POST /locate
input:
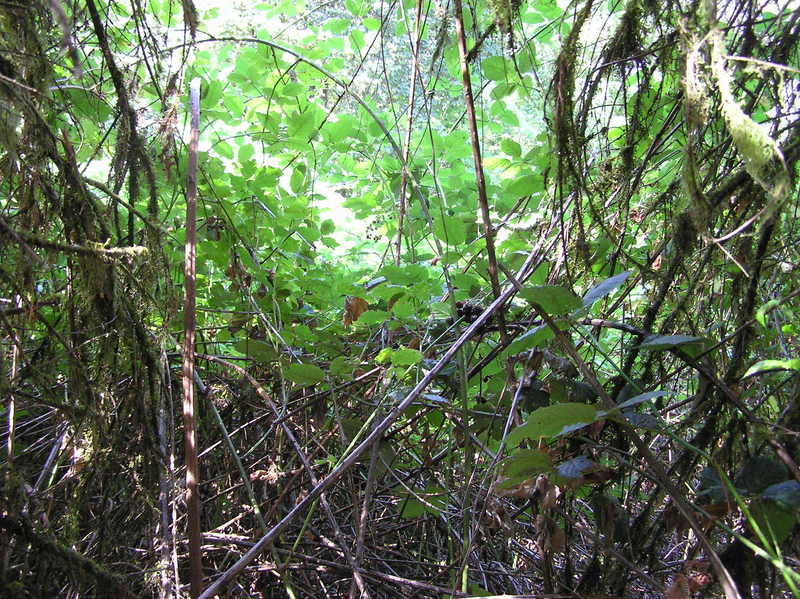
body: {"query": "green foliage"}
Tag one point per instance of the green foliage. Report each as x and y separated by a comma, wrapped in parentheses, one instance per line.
(554, 420)
(634, 155)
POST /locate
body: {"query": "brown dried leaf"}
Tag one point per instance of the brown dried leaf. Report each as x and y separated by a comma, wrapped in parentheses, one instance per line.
(679, 588)
(354, 307)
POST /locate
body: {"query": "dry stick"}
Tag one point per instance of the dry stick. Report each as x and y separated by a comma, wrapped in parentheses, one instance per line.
(166, 477)
(371, 438)
(306, 464)
(363, 520)
(248, 487)
(189, 420)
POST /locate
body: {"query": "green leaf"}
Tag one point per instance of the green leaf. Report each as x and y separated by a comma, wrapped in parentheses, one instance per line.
(431, 501)
(371, 24)
(403, 308)
(535, 337)
(406, 357)
(761, 313)
(372, 317)
(787, 494)
(553, 420)
(768, 365)
(340, 366)
(494, 68)
(510, 147)
(659, 342)
(405, 275)
(528, 463)
(257, 350)
(450, 229)
(640, 399)
(412, 507)
(298, 179)
(525, 185)
(554, 300)
(601, 290)
(246, 152)
(304, 374)
(775, 521)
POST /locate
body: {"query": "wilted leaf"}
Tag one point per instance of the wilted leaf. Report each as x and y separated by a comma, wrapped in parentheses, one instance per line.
(679, 589)
(354, 307)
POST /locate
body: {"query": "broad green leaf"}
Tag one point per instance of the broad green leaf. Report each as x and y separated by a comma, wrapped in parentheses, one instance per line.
(371, 317)
(371, 24)
(406, 357)
(337, 26)
(450, 229)
(537, 336)
(257, 350)
(494, 68)
(304, 374)
(411, 507)
(787, 494)
(403, 308)
(761, 313)
(246, 152)
(298, 179)
(224, 149)
(293, 89)
(553, 420)
(431, 501)
(554, 300)
(659, 342)
(525, 185)
(768, 365)
(510, 147)
(340, 366)
(775, 521)
(405, 275)
(601, 290)
(528, 463)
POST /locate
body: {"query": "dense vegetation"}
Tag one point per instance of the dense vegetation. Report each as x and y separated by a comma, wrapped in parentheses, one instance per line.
(493, 298)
